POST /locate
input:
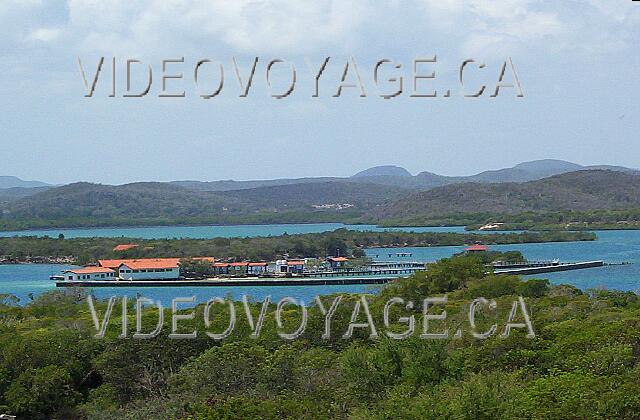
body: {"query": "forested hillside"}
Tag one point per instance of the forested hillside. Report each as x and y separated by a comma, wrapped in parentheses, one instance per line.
(85, 204)
(582, 190)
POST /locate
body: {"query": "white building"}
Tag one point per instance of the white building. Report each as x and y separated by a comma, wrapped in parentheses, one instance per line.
(290, 266)
(90, 274)
(150, 269)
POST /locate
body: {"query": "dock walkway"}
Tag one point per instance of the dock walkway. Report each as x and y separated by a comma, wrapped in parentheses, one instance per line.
(539, 269)
(315, 279)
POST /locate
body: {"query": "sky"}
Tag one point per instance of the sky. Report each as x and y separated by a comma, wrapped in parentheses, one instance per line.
(577, 64)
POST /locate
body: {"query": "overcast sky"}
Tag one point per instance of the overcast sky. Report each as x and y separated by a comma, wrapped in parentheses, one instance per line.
(578, 63)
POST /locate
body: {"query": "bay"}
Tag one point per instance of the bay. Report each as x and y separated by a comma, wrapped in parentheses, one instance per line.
(611, 246)
(215, 231)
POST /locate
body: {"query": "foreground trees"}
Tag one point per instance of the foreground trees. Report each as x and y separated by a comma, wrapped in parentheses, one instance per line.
(583, 362)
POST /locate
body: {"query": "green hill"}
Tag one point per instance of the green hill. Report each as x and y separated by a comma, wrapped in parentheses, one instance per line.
(582, 190)
(85, 204)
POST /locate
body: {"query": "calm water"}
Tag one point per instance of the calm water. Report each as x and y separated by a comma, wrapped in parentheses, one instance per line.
(206, 232)
(612, 246)
(23, 280)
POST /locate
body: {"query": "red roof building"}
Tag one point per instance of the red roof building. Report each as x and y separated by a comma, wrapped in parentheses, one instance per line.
(90, 270)
(150, 264)
(477, 248)
(337, 262)
(113, 264)
(90, 273)
(150, 269)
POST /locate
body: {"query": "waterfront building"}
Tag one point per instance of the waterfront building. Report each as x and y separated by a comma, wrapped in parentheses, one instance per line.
(296, 266)
(256, 268)
(238, 268)
(337, 262)
(290, 266)
(221, 268)
(89, 274)
(150, 269)
(476, 248)
(114, 264)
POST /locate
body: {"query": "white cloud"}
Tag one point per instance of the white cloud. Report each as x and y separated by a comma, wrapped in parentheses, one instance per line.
(45, 34)
(249, 25)
(494, 27)
(476, 27)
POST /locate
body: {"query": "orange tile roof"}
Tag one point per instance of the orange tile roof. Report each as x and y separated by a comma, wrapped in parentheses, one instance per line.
(117, 263)
(90, 270)
(111, 263)
(239, 264)
(124, 247)
(295, 262)
(338, 259)
(152, 263)
(258, 264)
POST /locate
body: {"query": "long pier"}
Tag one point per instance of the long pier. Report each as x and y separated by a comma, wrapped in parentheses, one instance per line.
(540, 269)
(226, 282)
(358, 273)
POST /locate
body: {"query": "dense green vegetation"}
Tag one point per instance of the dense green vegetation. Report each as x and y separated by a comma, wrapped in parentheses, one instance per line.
(567, 220)
(455, 219)
(153, 203)
(574, 191)
(583, 362)
(573, 194)
(532, 220)
(340, 241)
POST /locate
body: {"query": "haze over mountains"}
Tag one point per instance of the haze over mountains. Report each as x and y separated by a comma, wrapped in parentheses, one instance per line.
(384, 175)
(401, 178)
(15, 182)
(376, 194)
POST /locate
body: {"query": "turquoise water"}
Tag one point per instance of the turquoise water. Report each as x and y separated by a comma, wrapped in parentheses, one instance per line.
(206, 232)
(611, 246)
(24, 279)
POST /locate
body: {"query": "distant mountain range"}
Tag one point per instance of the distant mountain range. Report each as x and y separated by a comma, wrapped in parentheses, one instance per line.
(376, 194)
(399, 177)
(15, 182)
(389, 175)
(387, 170)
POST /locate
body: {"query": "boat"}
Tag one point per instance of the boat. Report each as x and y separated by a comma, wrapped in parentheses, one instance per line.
(56, 277)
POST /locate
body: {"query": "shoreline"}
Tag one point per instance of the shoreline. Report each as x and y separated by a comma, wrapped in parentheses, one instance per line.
(45, 262)
(42, 229)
